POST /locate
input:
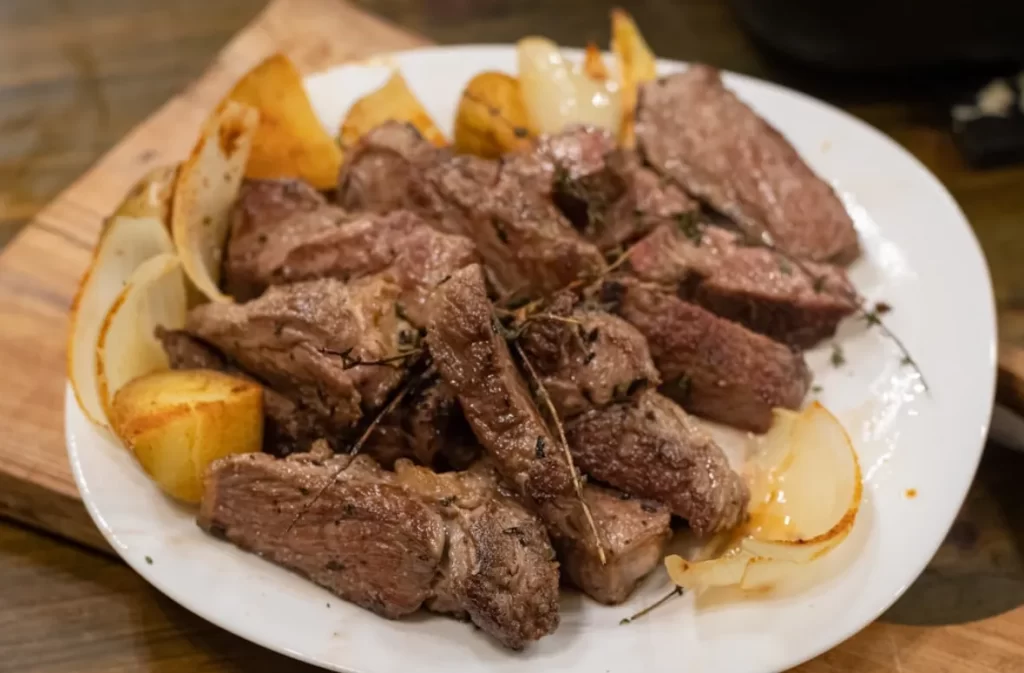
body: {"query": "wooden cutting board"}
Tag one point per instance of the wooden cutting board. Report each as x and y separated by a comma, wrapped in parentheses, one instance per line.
(39, 272)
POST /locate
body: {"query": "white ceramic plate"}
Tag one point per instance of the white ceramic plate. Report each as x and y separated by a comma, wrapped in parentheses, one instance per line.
(920, 256)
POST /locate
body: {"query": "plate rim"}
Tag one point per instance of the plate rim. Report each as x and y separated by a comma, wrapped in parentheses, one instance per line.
(242, 630)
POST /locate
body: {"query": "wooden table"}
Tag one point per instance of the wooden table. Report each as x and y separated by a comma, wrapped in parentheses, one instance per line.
(76, 75)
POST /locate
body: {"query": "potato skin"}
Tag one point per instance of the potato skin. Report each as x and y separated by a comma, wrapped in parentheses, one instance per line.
(491, 119)
(177, 422)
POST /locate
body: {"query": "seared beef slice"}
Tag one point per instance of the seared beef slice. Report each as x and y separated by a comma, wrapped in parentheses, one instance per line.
(392, 543)
(527, 244)
(693, 130)
(283, 210)
(605, 191)
(385, 171)
(650, 448)
(586, 358)
(711, 366)
(306, 341)
(312, 244)
(634, 532)
(368, 541)
(499, 566)
(749, 285)
(475, 362)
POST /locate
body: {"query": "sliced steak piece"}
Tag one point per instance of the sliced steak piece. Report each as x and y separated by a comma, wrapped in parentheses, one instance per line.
(282, 210)
(586, 358)
(713, 367)
(749, 285)
(695, 131)
(475, 361)
(385, 171)
(649, 201)
(307, 341)
(316, 244)
(287, 427)
(651, 449)
(428, 427)
(393, 542)
(499, 567)
(368, 541)
(527, 244)
(605, 191)
(633, 531)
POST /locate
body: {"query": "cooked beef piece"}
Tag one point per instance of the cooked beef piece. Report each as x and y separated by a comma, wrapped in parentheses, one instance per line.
(649, 201)
(287, 427)
(586, 358)
(307, 341)
(527, 244)
(428, 427)
(650, 448)
(371, 542)
(385, 170)
(314, 244)
(633, 531)
(475, 361)
(695, 131)
(392, 542)
(713, 367)
(605, 191)
(499, 567)
(184, 351)
(285, 210)
(750, 285)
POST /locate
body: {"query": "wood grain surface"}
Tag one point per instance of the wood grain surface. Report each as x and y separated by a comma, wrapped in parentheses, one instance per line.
(75, 75)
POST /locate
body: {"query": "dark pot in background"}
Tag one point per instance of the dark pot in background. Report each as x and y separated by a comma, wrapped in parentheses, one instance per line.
(894, 34)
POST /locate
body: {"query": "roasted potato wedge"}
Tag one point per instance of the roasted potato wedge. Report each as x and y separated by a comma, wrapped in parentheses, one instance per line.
(593, 63)
(176, 422)
(207, 187)
(127, 347)
(290, 141)
(491, 118)
(392, 102)
(125, 244)
(637, 64)
(151, 196)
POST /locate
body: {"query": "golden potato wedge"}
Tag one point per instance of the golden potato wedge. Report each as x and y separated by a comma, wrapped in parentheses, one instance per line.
(207, 186)
(637, 64)
(125, 244)
(177, 422)
(151, 196)
(593, 63)
(290, 141)
(491, 118)
(392, 102)
(127, 347)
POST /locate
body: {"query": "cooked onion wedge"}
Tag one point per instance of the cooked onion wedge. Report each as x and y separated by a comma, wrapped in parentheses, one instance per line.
(290, 141)
(558, 94)
(636, 65)
(805, 487)
(151, 196)
(127, 347)
(394, 101)
(124, 245)
(207, 186)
